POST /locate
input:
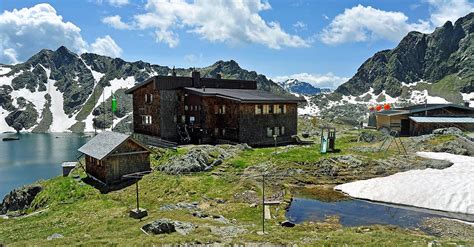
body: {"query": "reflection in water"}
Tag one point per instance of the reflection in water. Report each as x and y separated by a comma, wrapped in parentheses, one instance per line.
(34, 157)
(358, 212)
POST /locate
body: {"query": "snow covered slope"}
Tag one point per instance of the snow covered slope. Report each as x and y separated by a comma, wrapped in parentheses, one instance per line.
(450, 189)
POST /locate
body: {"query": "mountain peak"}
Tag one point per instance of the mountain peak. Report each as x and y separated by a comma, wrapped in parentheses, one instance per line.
(296, 86)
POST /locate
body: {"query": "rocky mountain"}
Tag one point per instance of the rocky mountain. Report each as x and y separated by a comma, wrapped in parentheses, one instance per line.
(59, 90)
(432, 68)
(443, 60)
(295, 86)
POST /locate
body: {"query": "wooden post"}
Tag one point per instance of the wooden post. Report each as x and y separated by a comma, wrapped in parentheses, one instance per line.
(138, 205)
(263, 203)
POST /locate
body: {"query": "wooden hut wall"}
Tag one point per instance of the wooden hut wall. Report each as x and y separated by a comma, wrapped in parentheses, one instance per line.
(96, 168)
(125, 160)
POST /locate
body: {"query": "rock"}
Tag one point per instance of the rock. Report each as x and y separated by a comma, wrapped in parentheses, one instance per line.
(180, 205)
(367, 136)
(55, 236)
(437, 164)
(220, 200)
(228, 231)
(183, 228)
(447, 131)
(160, 226)
(201, 158)
(20, 199)
(248, 196)
(452, 147)
(287, 223)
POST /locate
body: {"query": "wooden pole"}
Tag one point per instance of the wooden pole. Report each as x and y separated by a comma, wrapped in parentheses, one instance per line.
(138, 205)
(263, 203)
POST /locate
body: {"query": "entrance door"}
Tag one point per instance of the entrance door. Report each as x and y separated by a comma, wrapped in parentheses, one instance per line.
(405, 127)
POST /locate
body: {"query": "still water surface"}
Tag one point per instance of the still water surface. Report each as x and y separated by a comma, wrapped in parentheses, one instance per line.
(35, 157)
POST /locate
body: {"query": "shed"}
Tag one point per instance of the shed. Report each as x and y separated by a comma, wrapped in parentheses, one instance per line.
(425, 125)
(110, 155)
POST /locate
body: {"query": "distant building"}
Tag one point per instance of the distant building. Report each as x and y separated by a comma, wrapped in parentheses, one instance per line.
(110, 155)
(212, 110)
(424, 118)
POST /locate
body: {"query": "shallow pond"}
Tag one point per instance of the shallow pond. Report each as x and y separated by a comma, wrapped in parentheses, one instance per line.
(353, 212)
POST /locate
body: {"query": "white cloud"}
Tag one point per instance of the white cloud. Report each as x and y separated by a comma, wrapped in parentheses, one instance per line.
(26, 31)
(226, 21)
(116, 22)
(362, 23)
(193, 58)
(118, 3)
(448, 10)
(106, 46)
(299, 26)
(328, 80)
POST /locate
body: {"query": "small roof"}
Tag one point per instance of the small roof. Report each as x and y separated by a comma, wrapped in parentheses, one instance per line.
(459, 120)
(244, 95)
(104, 143)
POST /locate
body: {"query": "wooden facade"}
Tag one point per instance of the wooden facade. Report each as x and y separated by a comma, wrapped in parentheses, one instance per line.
(213, 117)
(109, 158)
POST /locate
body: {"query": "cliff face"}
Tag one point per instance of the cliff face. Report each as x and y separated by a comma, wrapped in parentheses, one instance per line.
(441, 55)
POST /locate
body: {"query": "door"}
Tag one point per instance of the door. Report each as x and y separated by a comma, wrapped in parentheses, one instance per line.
(405, 127)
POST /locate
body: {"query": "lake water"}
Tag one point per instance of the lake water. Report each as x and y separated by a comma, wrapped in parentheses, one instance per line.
(35, 157)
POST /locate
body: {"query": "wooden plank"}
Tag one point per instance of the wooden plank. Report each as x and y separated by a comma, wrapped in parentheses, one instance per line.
(130, 153)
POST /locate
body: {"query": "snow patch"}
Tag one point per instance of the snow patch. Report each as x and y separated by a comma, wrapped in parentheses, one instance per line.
(4, 70)
(468, 97)
(450, 189)
(61, 121)
(3, 124)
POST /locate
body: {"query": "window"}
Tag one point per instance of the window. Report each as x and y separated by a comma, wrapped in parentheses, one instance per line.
(281, 109)
(216, 131)
(270, 109)
(282, 130)
(192, 119)
(265, 109)
(223, 132)
(222, 109)
(186, 107)
(269, 132)
(258, 109)
(183, 119)
(148, 98)
(284, 109)
(146, 119)
(276, 131)
(216, 109)
(276, 109)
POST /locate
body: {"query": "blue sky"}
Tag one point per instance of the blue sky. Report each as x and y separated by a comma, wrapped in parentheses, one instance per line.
(321, 41)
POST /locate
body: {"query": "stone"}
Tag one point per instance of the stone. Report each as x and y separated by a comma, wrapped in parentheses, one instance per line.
(452, 147)
(448, 131)
(160, 226)
(20, 199)
(55, 236)
(287, 223)
(437, 164)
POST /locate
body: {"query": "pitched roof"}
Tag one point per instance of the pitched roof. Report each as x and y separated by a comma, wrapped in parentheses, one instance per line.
(104, 143)
(244, 95)
(460, 120)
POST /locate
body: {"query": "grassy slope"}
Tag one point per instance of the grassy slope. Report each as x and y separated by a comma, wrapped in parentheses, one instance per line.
(84, 216)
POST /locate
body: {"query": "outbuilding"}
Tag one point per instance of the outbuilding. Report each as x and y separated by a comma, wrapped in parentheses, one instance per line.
(110, 155)
(424, 118)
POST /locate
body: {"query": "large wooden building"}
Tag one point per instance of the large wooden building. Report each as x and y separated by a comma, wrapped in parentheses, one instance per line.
(212, 110)
(424, 118)
(110, 155)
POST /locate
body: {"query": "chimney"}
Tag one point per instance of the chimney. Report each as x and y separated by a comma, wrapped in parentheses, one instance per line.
(218, 76)
(196, 78)
(173, 72)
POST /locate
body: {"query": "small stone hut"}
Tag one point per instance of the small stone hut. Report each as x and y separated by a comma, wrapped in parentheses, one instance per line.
(110, 155)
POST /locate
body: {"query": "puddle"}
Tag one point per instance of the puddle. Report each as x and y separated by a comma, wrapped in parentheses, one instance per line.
(354, 212)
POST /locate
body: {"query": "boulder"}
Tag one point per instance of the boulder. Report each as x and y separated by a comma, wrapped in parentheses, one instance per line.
(160, 226)
(55, 236)
(20, 199)
(438, 164)
(447, 131)
(287, 223)
(163, 226)
(452, 147)
(367, 136)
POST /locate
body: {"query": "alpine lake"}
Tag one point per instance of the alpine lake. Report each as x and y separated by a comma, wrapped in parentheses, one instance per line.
(35, 157)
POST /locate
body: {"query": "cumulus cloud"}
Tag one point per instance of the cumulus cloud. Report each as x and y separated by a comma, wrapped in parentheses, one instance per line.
(106, 46)
(448, 10)
(217, 21)
(361, 23)
(116, 22)
(118, 3)
(299, 26)
(26, 31)
(328, 80)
